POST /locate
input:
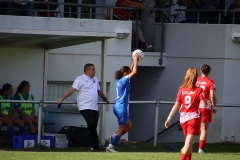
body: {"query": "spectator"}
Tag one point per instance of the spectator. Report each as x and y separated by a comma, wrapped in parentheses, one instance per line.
(21, 8)
(7, 113)
(26, 111)
(88, 90)
(209, 17)
(126, 14)
(192, 16)
(229, 15)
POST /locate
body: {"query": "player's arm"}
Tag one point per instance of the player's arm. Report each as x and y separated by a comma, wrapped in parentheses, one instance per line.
(213, 100)
(21, 112)
(101, 94)
(172, 112)
(66, 95)
(1, 114)
(33, 111)
(132, 4)
(134, 64)
(203, 103)
(131, 67)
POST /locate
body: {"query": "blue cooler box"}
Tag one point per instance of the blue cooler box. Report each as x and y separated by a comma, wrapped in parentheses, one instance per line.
(30, 141)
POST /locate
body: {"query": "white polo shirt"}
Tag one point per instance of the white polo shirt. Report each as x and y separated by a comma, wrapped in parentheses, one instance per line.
(87, 95)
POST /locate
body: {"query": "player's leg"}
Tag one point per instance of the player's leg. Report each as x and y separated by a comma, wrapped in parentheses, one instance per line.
(29, 123)
(206, 116)
(21, 125)
(129, 126)
(123, 120)
(191, 128)
(203, 137)
(9, 123)
(35, 120)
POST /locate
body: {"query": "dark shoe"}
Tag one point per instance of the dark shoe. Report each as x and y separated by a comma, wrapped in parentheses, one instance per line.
(91, 149)
(146, 46)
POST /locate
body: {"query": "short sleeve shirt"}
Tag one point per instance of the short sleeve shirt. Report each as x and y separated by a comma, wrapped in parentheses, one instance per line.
(123, 88)
(87, 92)
(207, 85)
(190, 103)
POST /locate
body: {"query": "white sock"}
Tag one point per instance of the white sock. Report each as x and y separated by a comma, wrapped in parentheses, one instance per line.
(114, 134)
(110, 146)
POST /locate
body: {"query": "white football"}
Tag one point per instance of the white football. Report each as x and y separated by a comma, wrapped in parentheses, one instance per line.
(140, 54)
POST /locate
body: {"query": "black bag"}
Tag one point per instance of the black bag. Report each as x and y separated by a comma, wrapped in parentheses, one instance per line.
(77, 136)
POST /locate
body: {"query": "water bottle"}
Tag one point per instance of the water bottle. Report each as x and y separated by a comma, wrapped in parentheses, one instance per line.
(46, 116)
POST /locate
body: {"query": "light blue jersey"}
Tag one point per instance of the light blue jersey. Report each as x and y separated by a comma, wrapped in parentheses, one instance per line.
(123, 90)
(120, 106)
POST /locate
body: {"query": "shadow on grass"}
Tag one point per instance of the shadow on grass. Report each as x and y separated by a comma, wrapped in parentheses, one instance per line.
(137, 147)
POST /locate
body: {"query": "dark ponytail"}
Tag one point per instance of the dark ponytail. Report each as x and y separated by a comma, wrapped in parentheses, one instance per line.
(22, 84)
(119, 73)
(5, 87)
(205, 69)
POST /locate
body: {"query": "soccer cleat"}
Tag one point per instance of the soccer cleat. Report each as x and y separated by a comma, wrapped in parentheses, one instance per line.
(110, 149)
(200, 151)
(110, 139)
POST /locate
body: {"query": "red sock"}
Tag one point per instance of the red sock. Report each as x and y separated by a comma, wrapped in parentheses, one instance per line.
(189, 157)
(183, 157)
(201, 144)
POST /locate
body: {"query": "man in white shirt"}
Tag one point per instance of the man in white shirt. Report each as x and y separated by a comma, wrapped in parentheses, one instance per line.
(88, 90)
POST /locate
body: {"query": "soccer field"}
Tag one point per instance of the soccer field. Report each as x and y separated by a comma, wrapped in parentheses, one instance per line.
(136, 151)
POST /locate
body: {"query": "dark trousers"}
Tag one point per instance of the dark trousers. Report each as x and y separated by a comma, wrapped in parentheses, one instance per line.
(22, 10)
(91, 118)
(210, 17)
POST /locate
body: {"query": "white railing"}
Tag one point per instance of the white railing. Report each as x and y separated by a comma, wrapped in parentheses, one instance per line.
(42, 104)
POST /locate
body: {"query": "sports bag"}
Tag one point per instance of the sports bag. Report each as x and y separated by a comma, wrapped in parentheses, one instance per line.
(77, 136)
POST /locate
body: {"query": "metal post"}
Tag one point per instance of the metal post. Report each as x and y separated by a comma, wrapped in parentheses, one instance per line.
(156, 124)
(79, 10)
(233, 20)
(219, 17)
(39, 122)
(102, 131)
(45, 74)
(48, 10)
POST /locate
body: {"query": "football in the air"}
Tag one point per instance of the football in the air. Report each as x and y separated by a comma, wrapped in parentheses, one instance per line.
(140, 54)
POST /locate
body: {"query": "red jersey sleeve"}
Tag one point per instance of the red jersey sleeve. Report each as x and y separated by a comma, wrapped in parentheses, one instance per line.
(212, 86)
(179, 96)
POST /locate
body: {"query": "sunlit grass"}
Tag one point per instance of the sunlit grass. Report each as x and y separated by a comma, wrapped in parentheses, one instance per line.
(134, 151)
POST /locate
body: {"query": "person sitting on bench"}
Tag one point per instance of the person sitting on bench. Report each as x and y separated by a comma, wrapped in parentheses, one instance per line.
(6, 111)
(26, 111)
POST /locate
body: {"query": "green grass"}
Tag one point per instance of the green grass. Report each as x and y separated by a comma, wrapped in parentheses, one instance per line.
(135, 151)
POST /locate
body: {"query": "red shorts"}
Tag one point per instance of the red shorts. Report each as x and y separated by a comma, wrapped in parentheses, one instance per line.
(206, 115)
(191, 127)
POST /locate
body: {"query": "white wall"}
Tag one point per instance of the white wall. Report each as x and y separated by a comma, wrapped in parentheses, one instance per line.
(23, 64)
(188, 45)
(66, 64)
